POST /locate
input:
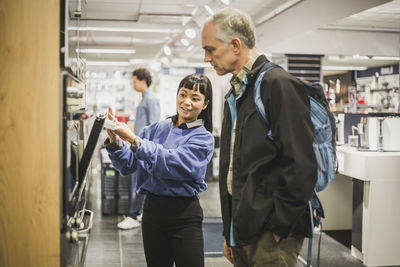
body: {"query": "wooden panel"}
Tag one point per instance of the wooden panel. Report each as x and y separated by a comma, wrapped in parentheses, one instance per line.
(29, 133)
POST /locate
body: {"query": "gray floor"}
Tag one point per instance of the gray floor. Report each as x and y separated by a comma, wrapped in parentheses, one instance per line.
(110, 247)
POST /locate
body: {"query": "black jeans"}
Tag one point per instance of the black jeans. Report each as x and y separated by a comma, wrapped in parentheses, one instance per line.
(172, 231)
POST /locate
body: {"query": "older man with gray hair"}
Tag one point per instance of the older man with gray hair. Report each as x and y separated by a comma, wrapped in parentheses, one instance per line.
(265, 185)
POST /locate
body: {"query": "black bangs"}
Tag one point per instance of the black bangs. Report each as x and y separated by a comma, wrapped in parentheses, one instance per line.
(193, 85)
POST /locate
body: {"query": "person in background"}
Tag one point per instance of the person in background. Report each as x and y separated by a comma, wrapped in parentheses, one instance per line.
(264, 185)
(170, 158)
(147, 112)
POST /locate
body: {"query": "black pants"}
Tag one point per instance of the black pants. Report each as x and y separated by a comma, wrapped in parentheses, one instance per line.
(172, 231)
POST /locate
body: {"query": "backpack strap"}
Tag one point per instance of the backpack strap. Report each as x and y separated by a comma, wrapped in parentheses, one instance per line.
(314, 204)
(312, 235)
(257, 93)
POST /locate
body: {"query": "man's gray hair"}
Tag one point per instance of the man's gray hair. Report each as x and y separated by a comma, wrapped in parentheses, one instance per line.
(232, 23)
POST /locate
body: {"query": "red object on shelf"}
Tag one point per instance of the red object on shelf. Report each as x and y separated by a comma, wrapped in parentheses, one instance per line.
(122, 117)
(361, 101)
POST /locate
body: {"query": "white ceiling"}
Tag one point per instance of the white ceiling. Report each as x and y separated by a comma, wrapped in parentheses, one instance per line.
(326, 27)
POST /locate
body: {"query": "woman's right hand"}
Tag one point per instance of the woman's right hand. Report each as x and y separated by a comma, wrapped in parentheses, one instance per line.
(111, 135)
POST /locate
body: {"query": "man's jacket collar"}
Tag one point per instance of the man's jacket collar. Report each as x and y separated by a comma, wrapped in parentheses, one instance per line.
(252, 75)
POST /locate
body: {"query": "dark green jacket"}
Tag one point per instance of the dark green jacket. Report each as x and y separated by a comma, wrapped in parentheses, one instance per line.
(272, 180)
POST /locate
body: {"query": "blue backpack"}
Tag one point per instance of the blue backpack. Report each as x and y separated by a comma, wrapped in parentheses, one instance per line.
(324, 144)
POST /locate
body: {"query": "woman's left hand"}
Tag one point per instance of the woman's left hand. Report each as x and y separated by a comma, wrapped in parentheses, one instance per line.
(121, 129)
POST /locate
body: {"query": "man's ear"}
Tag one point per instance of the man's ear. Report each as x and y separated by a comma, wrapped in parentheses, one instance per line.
(236, 45)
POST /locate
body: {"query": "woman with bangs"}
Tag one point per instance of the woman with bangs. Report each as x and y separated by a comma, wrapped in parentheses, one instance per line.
(170, 158)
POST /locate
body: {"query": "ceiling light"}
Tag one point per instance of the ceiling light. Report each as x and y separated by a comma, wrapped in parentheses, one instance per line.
(117, 75)
(106, 51)
(190, 32)
(333, 57)
(108, 63)
(109, 29)
(357, 56)
(179, 61)
(136, 61)
(385, 58)
(285, 6)
(337, 86)
(155, 66)
(191, 64)
(364, 57)
(347, 58)
(343, 68)
(164, 60)
(80, 38)
(184, 42)
(209, 10)
(226, 2)
(167, 50)
(190, 48)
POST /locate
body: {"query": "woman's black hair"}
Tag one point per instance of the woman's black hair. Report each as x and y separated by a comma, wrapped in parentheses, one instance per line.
(202, 83)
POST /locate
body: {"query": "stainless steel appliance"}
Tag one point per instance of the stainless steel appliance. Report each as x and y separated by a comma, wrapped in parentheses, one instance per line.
(80, 133)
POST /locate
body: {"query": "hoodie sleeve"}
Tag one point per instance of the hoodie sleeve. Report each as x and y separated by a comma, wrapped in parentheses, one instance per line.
(123, 159)
(187, 162)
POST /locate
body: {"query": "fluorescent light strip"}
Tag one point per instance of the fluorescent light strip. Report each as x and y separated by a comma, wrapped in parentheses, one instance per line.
(185, 42)
(167, 50)
(113, 63)
(190, 48)
(358, 57)
(104, 29)
(209, 10)
(137, 61)
(106, 51)
(189, 65)
(360, 28)
(385, 58)
(334, 58)
(198, 65)
(277, 11)
(108, 63)
(343, 68)
(191, 33)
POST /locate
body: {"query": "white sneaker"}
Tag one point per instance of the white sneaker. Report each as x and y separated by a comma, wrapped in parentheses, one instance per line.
(139, 218)
(128, 223)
